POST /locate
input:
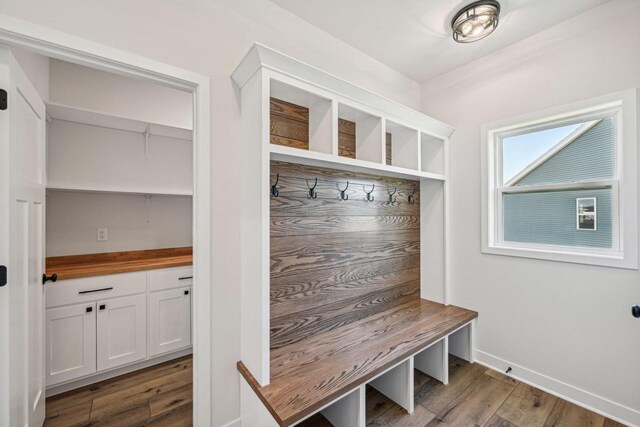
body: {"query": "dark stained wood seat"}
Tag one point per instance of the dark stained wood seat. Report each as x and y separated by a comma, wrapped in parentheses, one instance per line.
(309, 374)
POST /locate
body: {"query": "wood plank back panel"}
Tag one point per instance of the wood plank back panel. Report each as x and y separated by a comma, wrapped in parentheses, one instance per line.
(333, 261)
(289, 124)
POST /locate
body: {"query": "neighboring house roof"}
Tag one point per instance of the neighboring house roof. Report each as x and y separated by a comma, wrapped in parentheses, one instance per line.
(552, 152)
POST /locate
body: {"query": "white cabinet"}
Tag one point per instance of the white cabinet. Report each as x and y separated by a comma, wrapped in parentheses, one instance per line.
(169, 320)
(121, 331)
(71, 342)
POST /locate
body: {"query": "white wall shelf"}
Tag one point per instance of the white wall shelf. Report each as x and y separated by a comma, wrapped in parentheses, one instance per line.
(264, 74)
(105, 190)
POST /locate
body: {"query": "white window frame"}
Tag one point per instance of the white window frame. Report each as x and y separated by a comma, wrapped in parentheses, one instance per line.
(594, 214)
(622, 106)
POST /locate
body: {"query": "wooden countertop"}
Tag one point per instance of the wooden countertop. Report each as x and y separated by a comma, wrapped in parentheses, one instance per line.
(75, 266)
(307, 375)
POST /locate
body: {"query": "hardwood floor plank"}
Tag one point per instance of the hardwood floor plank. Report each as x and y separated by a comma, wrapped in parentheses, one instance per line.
(141, 391)
(376, 403)
(181, 416)
(317, 420)
(127, 415)
(566, 414)
(170, 400)
(527, 406)
(610, 423)
(435, 396)
(103, 388)
(475, 406)
(69, 416)
(502, 377)
(496, 421)
(397, 416)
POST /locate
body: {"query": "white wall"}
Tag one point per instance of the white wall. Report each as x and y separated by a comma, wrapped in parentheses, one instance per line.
(133, 222)
(568, 322)
(210, 37)
(109, 93)
(36, 67)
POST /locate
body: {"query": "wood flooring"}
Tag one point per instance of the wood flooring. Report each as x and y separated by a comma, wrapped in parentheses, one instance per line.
(475, 396)
(157, 396)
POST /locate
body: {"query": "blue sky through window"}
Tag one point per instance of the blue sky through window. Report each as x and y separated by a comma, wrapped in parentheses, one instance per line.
(520, 151)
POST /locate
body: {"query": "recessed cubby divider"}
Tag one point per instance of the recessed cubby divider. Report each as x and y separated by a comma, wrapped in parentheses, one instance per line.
(404, 145)
(368, 133)
(432, 154)
(397, 384)
(349, 410)
(434, 361)
(461, 342)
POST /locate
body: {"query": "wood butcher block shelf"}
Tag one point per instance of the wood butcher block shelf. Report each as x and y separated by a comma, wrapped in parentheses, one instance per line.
(311, 373)
(76, 266)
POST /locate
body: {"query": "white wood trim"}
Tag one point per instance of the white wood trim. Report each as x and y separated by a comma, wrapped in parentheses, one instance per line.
(56, 44)
(624, 254)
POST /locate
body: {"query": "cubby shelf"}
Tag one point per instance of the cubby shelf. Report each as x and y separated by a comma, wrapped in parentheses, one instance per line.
(122, 191)
(311, 158)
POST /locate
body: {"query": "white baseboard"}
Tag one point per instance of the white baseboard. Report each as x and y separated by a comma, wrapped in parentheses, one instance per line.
(588, 400)
(115, 372)
(234, 423)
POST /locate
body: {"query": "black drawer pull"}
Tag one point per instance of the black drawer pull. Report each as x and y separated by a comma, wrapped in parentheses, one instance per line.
(94, 290)
(185, 278)
(102, 306)
(186, 292)
(89, 309)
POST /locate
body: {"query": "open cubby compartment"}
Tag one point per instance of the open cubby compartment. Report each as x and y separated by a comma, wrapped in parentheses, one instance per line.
(300, 118)
(348, 410)
(432, 154)
(397, 384)
(434, 361)
(360, 135)
(461, 342)
(401, 145)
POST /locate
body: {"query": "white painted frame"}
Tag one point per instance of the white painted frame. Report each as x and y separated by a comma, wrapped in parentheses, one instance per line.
(23, 34)
(594, 214)
(624, 253)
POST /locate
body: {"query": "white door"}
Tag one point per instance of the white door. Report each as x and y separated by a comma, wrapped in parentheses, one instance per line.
(122, 331)
(71, 342)
(169, 320)
(22, 198)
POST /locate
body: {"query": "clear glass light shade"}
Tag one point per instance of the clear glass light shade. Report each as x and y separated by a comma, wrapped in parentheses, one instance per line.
(476, 21)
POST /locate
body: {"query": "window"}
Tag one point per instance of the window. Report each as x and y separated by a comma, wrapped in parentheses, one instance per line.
(554, 186)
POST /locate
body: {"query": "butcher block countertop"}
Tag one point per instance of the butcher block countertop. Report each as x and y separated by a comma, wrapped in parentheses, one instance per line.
(76, 266)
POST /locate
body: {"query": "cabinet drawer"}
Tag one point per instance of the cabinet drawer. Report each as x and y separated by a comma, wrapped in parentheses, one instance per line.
(74, 291)
(168, 278)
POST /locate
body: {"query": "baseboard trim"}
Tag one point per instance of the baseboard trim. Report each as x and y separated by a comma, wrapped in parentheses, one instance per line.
(105, 375)
(235, 423)
(588, 400)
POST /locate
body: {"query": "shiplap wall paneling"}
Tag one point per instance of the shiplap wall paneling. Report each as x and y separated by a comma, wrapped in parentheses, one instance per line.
(336, 261)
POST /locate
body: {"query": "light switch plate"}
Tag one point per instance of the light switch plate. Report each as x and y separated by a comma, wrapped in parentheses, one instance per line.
(102, 234)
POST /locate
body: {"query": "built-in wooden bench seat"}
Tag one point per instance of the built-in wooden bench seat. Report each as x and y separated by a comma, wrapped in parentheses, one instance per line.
(308, 375)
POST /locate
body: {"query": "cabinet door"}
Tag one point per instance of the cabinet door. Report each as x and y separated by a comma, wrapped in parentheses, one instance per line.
(71, 342)
(169, 320)
(122, 331)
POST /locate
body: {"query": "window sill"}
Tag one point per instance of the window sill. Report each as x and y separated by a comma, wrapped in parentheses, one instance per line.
(596, 257)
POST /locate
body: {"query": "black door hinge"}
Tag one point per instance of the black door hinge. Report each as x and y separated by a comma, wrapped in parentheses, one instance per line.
(3, 99)
(3, 275)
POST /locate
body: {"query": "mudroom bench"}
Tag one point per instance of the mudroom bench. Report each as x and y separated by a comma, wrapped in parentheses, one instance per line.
(328, 372)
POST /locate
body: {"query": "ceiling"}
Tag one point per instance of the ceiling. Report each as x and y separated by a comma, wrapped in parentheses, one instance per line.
(414, 36)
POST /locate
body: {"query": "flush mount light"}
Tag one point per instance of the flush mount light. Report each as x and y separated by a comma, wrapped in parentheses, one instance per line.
(475, 21)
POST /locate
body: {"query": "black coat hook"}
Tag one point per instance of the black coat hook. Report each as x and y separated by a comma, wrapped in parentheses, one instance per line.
(369, 196)
(343, 196)
(391, 198)
(312, 190)
(274, 187)
(411, 199)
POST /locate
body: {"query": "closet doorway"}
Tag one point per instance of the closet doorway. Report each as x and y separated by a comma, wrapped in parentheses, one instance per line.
(125, 306)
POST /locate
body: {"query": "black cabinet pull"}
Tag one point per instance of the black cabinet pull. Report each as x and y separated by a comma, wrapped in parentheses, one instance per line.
(635, 311)
(46, 278)
(89, 309)
(102, 306)
(186, 292)
(185, 278)
(95, 290)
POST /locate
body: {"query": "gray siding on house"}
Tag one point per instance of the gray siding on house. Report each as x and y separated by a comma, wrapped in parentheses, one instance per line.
(589, 157)
(550, 218)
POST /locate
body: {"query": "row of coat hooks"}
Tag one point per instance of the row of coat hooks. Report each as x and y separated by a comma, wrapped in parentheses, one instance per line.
(313, 194)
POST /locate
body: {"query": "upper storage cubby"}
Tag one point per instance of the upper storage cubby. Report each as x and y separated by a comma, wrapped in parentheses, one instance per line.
(359, 134)
(432, 154)
(401, 146)
(300, 119)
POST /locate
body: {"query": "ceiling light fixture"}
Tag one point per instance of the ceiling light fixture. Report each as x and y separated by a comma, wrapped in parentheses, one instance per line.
(475, 21)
